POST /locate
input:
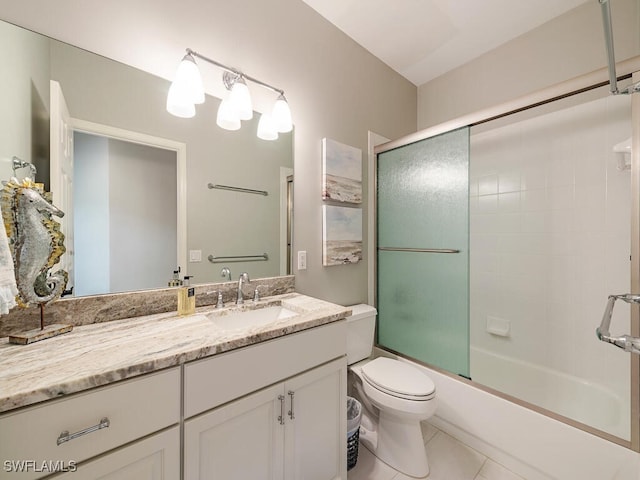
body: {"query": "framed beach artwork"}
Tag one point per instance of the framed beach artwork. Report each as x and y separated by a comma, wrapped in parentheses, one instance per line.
(342, 235)
(341, 172)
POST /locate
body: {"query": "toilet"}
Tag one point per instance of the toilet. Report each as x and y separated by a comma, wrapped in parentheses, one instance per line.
(395, 395)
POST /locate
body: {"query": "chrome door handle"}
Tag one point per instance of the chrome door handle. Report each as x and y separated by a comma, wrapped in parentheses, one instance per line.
(281, 416)
(625, 342)
(66, 436)
(291, 414)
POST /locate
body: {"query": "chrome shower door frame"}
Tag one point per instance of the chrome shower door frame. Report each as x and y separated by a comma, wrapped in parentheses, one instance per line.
(626, 69)
(635, 263)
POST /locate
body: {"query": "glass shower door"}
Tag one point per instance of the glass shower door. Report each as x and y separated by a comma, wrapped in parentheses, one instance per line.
(423, 250)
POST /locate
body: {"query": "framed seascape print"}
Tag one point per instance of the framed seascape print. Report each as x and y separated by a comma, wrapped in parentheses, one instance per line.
(341, 235)
(341, 172)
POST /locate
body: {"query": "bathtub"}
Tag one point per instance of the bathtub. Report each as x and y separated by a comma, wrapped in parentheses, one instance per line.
(566, 395)
(534, 446)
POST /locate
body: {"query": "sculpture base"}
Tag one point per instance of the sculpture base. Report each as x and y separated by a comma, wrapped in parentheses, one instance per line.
(39, 334)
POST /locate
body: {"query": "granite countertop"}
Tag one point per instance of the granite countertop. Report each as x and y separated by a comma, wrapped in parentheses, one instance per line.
(102, 353)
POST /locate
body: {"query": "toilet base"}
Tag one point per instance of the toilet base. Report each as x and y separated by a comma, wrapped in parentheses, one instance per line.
(394, 435)
(397, 443)
(401, 445)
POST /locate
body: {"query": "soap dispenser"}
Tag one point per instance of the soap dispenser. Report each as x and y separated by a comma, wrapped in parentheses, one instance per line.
(175, 281)
(186, 298)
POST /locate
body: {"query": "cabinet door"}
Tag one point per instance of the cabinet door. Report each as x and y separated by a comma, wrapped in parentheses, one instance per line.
(315, 433)
(154, 458)
(238, 441)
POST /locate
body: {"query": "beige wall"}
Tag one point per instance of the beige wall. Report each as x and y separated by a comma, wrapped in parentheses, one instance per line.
(335, 88)
(563, 48)
(24, 96)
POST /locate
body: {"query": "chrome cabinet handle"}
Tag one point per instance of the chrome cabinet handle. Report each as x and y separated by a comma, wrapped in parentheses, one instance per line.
(66, 436)
(625, 342)
(291, 414)
(281, 417)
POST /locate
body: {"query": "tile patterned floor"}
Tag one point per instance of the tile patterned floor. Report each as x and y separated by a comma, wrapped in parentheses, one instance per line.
(449, 459)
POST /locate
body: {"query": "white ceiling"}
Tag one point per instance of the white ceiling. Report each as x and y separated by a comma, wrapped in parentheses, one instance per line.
(422, 39)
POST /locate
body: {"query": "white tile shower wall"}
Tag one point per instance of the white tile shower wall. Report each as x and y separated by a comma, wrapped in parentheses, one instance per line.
(550, 239)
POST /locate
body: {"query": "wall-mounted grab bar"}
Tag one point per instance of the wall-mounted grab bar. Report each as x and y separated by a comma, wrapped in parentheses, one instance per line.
(239, 258)
(419, 250)
(625, 342)
(237, 189)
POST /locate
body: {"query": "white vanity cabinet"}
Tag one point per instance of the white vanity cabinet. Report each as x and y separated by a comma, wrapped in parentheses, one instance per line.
(315, 424)
(153, 458)
(292, 429)
(271, 410)
(63, 433)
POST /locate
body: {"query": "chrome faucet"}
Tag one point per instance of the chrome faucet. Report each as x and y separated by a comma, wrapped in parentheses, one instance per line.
(225, 272)
(244, 278)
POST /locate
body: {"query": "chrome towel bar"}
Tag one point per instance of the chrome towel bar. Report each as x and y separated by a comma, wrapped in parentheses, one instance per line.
(237, 189)
(239, 258)
(419, 250)
(625, 342)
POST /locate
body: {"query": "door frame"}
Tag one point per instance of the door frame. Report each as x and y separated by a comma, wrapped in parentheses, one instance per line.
(179, 148)
(285, 257)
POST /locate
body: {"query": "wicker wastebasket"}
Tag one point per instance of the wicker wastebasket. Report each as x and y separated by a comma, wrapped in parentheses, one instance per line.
(354, 414)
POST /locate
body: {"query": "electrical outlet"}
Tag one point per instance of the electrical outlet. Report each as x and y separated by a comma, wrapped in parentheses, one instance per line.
(302, 260)
(195, 255)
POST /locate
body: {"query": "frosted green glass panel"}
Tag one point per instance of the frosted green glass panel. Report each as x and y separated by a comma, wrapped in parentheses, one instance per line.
(423, 297)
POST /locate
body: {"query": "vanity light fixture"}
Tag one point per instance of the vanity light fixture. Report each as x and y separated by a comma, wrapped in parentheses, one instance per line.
(282, 115)
(227, 117)
(266, 128)
(187, 90)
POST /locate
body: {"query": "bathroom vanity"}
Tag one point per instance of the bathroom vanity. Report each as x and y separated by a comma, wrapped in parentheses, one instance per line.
(168, 397)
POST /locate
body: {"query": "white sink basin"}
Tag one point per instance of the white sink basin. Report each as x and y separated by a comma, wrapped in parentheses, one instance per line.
(251, 318)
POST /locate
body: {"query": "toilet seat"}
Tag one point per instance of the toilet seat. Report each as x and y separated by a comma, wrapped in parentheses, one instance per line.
(398, 379)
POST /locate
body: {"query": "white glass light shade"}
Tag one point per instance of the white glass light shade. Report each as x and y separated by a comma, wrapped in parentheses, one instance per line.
(240, 99)
(186, 89)
(266, 128)
(177, 105)
(227, 117)
(281, 115)
(189, 80)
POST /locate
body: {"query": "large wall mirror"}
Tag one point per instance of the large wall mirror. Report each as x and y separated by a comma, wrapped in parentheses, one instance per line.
(134, 180)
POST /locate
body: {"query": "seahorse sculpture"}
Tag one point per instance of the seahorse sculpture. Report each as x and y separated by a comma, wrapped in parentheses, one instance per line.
(35, 241)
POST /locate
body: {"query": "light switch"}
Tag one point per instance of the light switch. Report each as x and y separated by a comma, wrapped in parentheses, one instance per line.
(195, 255)
(302, 260)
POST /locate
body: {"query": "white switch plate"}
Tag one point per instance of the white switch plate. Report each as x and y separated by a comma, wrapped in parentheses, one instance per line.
(302, 260)
(195, 255)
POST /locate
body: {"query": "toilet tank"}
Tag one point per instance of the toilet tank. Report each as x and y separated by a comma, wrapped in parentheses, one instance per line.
(360, 330)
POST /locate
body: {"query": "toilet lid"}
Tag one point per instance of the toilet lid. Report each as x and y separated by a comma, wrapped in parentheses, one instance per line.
(399, 379)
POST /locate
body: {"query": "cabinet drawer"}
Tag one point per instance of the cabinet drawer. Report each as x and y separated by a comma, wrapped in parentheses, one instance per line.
(154, 458)
(227, 376)
(134, 408)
